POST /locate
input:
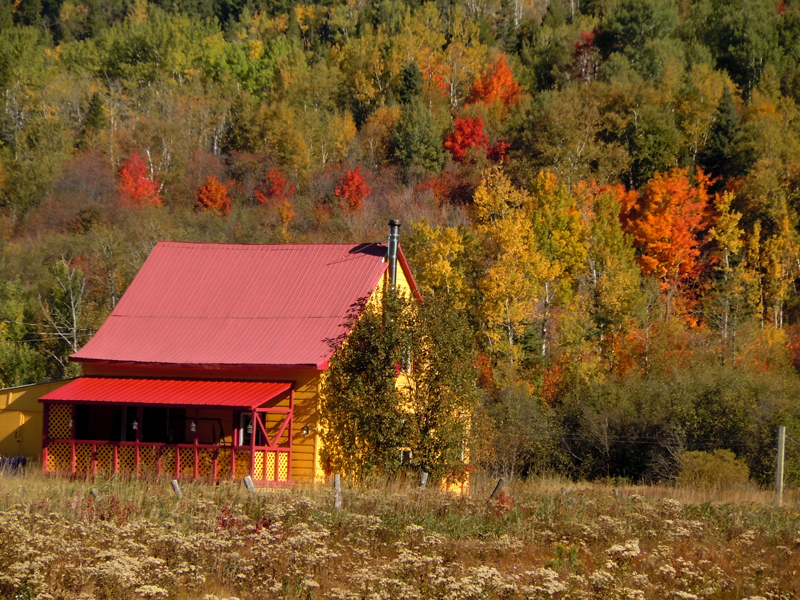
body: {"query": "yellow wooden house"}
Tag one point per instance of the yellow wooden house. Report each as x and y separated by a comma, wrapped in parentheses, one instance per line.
(210, 364)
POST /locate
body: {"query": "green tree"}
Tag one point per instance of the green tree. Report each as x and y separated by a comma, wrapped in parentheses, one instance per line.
(629, 25)
(417, 139)
(410, 83)
(743, 38)
(369, 416)
(722, 156)
(20, 362)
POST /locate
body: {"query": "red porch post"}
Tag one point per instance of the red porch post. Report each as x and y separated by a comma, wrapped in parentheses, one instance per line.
(253, 426)
(196, 434)
(139, 413)
(45, 434)
(291, 436)
(234, 443)
(72, 440)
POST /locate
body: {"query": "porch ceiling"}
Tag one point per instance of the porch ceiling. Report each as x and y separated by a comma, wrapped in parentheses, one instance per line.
(168, 392)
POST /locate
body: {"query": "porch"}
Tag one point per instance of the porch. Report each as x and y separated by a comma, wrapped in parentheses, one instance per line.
(211, 430)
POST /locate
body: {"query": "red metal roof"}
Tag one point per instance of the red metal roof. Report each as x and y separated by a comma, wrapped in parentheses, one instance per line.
(173, 392)
(244, 305)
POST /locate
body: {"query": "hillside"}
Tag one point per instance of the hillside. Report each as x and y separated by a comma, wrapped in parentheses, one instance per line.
(607, 191)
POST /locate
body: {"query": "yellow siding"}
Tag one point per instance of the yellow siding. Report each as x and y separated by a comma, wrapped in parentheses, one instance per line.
(21, 419)
(306, 466)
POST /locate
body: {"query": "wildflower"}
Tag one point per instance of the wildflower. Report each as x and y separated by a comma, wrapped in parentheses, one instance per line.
(623, 552)
(151, 591)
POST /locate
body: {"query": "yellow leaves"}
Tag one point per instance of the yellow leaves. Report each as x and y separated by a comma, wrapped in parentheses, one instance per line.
(780, 262)
(496, 198)
(437, 255)
(304, 16)
(726, 231)
(376, 133)
(254, 49)
(697, 102)
(510, 267)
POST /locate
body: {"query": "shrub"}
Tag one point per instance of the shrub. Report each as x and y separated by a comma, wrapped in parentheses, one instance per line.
(213, 195)
(719, 469)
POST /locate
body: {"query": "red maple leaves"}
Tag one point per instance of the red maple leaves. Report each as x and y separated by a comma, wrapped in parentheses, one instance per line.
(467, 134)
(667, 222)
(275, 189)
(352, 189)
(496, 83)
(213, 195)
(137, 187)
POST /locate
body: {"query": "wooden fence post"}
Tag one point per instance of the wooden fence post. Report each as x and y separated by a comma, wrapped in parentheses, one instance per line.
(497, 489)
(780, 465)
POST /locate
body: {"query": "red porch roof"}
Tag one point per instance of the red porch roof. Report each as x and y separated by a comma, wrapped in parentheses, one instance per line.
(172, 392)
(242, 305)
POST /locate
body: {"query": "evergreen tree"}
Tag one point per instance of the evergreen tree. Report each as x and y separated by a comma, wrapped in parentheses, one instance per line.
(410, 83)
(29, 12)
(6, 14)
(722, 157)
(417, 139)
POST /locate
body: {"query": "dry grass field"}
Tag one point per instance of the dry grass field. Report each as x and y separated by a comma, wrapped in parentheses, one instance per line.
(545, 539)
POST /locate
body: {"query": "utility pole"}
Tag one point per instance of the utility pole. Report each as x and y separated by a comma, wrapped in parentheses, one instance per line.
(779, 466)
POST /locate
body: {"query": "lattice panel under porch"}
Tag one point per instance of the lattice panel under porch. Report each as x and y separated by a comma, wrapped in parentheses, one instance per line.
(270, 466)
(126, 460)
(105, 459)
(242, 463)
(224, 464)
(59, 418)
(205, 463)
(83, 458)
(168, 461)
(283, 466)
(147, 460)
(59, 458)
(258, 466)
(187, 462)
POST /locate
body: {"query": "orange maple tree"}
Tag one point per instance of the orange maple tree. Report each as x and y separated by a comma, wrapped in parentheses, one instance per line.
(496, 83)
(667, 223)
(467, 134)
(352, 189)
(275, 189)
(137, 187)
(213, 195)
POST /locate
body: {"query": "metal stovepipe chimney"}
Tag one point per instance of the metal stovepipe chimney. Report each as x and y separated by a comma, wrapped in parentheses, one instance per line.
(391, 255)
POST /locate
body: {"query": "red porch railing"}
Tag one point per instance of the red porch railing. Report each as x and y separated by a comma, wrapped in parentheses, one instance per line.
(266, 463)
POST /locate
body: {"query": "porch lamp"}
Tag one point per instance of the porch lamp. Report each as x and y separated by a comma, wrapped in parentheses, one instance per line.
(249, 428)
(135, 425)
(192, 426)
(305, 430)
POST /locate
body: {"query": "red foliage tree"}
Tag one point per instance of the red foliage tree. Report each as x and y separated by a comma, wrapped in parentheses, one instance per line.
(498, 151)
(352, 189)
(213, 195)
(467, 134)
(667, 223)
(136, 185)
(275, 189)
(496, 83)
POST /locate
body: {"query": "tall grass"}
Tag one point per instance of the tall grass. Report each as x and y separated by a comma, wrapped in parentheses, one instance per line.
(540, 538)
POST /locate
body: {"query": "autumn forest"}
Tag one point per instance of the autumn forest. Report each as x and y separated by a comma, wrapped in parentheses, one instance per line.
(606, 192)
